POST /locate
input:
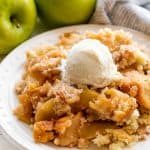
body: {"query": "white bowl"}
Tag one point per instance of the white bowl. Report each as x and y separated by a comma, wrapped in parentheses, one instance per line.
(11, 70)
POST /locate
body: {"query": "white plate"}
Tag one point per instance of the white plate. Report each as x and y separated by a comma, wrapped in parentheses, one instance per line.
(11, 70)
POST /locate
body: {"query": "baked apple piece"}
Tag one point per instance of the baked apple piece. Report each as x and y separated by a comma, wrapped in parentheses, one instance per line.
(114, 105)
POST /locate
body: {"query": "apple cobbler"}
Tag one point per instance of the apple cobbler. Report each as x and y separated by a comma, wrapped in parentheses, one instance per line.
(76, 115)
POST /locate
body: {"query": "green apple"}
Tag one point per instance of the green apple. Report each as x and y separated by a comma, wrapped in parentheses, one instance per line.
(65, 12)
(17, 20)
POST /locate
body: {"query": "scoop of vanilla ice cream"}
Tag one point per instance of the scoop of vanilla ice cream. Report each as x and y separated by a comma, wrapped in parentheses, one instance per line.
(89, 62)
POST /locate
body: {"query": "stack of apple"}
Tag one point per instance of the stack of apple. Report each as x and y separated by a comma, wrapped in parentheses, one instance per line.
(18, 17)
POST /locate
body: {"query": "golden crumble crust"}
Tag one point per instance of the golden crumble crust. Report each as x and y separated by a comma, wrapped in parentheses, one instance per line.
(77, 115)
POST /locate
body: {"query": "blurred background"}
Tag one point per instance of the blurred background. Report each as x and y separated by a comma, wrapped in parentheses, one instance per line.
(26, 18)
(22, 19)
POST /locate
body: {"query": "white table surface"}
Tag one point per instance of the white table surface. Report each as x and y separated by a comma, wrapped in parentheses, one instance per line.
(5, 144)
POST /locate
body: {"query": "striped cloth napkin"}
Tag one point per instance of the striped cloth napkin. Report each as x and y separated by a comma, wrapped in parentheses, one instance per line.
(133, 14)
